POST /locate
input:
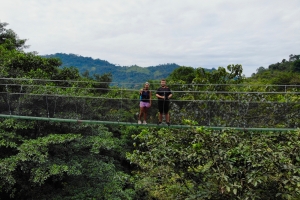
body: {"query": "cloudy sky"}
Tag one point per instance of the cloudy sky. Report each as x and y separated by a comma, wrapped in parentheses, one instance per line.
(197, 33)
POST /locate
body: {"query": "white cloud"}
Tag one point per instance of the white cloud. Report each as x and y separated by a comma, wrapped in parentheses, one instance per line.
(194, 33)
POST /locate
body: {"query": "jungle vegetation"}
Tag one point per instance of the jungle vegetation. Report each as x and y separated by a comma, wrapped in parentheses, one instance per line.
(62, 160)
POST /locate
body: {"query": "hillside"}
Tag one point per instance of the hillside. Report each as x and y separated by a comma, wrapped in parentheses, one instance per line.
(285, 72)
(123, 74)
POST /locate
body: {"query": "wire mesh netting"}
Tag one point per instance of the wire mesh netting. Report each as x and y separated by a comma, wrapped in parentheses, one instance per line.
(208, 105)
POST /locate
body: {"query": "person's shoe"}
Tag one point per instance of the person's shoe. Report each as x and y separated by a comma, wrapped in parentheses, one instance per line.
(144, 122)
(168, 123)
(158, 123)
(139, 122)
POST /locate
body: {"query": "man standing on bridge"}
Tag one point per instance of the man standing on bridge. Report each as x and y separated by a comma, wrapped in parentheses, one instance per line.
(163, 94)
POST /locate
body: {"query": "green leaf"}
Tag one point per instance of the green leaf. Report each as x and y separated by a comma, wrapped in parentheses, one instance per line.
(235, 191)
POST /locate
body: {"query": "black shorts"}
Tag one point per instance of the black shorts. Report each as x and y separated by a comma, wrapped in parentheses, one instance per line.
(163, 106)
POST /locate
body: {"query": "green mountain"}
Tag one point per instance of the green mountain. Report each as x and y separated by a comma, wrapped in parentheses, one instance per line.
(124, 74)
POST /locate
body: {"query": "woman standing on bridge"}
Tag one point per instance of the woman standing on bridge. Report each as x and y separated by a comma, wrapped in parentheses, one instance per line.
(145, 102)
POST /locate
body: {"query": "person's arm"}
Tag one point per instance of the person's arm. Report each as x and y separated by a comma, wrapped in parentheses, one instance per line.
(150, 97)
(170, 94)
(158, 95)
(140, 96)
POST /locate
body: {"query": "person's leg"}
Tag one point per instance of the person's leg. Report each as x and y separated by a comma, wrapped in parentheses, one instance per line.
(160, 117)
(167, 117)
(146, 107)
(166, 110)
(160, 109)
(145, 113)
(141, 112)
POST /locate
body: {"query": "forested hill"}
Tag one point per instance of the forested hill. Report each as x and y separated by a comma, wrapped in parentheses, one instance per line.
(119, 74)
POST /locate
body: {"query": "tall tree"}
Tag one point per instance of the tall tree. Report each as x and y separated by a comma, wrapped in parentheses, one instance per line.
(296, 66)
(184, 74)
(10, 39)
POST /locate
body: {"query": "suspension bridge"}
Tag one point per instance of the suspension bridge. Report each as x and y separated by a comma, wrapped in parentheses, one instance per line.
(215, 106)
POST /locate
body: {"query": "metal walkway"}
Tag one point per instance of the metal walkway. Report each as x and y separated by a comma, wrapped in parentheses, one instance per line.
(141, 125)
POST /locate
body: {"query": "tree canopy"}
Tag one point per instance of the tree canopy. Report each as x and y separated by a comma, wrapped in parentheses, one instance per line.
(62, 160)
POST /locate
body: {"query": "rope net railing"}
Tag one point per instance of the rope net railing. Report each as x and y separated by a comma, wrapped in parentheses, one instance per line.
(227, 105)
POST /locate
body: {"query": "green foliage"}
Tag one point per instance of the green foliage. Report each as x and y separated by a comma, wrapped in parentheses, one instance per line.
(183, 74)
(203, 164)
(102, 82)
(9, 39)
(275, 78)
(84, 163)
(280, 73)
(68, 73)
(19, 64)
(51, 160)
(189, 75)
(233, 74)
(46, 160)
(296, 66)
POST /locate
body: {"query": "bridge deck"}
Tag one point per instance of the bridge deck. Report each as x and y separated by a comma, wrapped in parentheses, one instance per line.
(140, 125)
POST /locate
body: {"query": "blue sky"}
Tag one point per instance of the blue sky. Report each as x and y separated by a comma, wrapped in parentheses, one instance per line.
(194, 33)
